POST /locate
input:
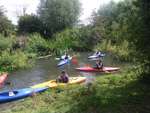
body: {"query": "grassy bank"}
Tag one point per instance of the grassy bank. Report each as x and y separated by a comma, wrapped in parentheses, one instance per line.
(115, 93)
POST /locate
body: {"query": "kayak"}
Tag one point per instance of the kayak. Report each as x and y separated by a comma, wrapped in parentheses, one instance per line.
(64, 61)
(53, 83)
(8, 96)
(63, 57)
(96, 56)
(91, 69)
(3, 78)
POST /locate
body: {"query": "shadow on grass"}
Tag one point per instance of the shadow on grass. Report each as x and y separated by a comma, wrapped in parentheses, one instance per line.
(99, 98)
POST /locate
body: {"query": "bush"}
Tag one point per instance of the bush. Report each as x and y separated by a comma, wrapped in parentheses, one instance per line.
(6, 43)
(37, 44)
(120, 50)
(12, 61)
(77, 39)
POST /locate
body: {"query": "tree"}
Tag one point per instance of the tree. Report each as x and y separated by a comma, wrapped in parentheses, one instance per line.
(6, 27)
(29, 24)
(141, 35)
(58, 14)
(128, 20)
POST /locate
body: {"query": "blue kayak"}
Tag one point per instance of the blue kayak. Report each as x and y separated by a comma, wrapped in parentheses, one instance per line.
(17, 94)
(97, 56)
(64, 61)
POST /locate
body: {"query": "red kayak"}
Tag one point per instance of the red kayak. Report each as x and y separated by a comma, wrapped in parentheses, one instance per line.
(3, 78)
(91, 69)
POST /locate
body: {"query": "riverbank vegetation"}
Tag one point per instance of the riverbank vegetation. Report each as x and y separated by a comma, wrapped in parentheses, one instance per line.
(52, 31)
(119, 28)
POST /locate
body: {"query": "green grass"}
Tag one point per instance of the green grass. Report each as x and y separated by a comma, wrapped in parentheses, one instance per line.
(119, 50)
(115, 93)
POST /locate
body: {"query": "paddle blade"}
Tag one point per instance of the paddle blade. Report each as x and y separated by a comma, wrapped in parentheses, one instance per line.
(74, 60)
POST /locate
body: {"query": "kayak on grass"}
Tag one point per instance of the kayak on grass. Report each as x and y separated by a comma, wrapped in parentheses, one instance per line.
(64, 61)
(96, 56)
(3, 78)
(8, 96)
(92, 69)
(53, 83)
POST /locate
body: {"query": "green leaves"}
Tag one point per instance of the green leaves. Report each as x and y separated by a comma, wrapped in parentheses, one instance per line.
(6, 27)
(58, 14)
(29, 24)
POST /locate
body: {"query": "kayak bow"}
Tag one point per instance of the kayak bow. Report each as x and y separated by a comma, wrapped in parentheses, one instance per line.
(8, 96)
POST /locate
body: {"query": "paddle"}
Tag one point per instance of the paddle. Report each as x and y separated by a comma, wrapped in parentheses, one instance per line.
(88, 65)
(74, 60)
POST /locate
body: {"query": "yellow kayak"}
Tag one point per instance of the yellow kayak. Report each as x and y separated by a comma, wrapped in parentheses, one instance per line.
(53, 83)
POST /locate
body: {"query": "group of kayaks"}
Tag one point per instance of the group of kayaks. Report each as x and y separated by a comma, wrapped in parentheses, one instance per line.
(16, 94)
(64, 61)
(7, 96)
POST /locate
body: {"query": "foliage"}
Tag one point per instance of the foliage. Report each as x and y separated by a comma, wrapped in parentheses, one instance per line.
(77, 39)
(6, 43)
(38, 45)
(140, 33)
(127, 21)
(114, 20)
(13, 61)
(12, 57)
(58, 14)
(29, 24)
(121, 50)
(6, 27)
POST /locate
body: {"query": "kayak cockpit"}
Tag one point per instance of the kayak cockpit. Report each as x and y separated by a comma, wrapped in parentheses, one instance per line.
(11, 93)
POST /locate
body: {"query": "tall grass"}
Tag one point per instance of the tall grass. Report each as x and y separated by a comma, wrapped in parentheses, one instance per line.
(120, 50)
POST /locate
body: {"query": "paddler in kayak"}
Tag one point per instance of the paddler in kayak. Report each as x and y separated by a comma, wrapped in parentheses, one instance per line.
(98, 53)
(99, 64)
(66, 56)
(63, 78)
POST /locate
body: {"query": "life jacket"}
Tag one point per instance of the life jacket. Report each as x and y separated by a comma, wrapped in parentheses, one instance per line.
(64, 79)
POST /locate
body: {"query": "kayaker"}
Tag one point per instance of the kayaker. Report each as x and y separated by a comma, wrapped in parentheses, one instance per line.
(63, 78)
(66, 56)
(99, 64)
(98, 53)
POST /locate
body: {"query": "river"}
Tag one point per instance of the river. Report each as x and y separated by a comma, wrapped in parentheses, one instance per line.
(46, 69)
